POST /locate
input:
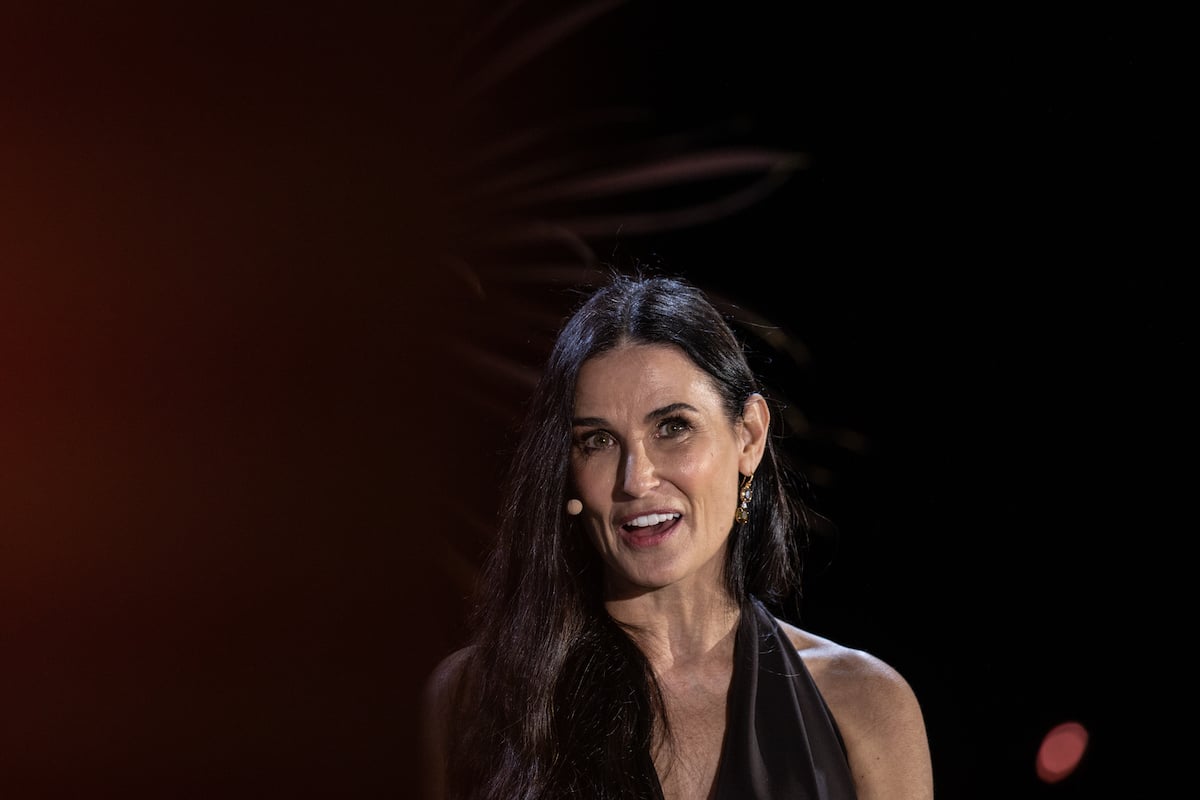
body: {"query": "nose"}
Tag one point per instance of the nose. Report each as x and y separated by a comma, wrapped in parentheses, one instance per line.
(640, 476)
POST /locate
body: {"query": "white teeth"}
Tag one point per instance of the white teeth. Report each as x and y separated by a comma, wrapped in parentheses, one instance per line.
(651, 519)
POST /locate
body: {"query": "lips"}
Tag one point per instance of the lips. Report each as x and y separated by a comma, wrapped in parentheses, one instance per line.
(639, 538)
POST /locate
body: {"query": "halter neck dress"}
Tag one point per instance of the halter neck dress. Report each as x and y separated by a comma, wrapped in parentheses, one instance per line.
(781, 741)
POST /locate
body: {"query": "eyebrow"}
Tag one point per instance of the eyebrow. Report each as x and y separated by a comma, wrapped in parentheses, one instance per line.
(658, 413)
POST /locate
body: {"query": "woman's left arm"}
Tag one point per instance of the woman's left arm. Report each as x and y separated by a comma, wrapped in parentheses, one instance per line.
(883, 726)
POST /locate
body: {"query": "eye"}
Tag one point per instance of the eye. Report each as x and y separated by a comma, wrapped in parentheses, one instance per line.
(592, 441)
(673, 427)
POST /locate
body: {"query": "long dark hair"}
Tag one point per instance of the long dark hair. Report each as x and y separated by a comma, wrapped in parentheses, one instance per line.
(559, 702)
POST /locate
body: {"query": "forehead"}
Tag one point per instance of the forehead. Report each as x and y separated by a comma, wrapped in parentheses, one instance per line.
(640, 378)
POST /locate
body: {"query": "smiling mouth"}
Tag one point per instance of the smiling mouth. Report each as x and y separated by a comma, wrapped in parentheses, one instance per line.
(648, 530)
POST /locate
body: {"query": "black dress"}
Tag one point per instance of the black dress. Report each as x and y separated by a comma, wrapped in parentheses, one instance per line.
(781, 741)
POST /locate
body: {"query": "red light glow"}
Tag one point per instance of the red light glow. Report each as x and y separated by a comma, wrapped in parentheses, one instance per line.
(1061, 750)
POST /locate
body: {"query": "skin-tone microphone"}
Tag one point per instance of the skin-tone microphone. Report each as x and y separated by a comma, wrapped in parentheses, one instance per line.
(574, 507)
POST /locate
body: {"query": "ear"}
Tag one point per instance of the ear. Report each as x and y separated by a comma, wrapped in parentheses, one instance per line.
(755, 425)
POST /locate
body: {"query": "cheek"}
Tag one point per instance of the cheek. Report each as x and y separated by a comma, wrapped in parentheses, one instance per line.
(592, 478)
(711, 480)
(599, 538)
(699, 472)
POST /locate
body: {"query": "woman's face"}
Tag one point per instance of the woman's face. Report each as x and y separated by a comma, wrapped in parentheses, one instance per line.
(655, 461)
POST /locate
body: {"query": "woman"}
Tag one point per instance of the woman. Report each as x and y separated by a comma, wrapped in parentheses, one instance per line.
(622, 645)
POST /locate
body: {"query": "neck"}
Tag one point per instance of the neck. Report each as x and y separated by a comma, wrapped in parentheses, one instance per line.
(675, 627)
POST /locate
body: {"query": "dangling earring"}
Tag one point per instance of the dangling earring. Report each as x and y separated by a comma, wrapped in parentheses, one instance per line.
(743, 511)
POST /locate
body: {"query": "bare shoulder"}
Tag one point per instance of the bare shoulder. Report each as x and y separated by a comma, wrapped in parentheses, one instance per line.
(877, 713)
(851, 680)
(445, 678)
(437, 708)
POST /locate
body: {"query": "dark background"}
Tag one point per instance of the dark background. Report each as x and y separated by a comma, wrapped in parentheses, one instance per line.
(276, 277)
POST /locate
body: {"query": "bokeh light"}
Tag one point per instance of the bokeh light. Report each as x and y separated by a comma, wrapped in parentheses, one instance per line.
(1061, 751)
